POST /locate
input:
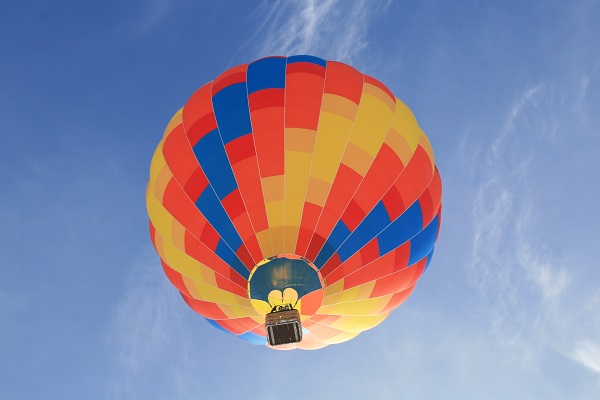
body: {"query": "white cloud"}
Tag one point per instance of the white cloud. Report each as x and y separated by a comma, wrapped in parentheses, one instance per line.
(142, 323)
(588, 354)
(333, 29)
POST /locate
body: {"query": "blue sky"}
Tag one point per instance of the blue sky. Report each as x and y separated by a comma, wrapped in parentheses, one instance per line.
(508, 94)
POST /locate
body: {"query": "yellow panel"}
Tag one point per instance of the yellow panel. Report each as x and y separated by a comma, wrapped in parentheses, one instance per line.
(362, 307)
(157, 164)
(358, 323)
(159, 217)
(356, 293)
(372, 123)
(381, 95)
(183, 263)
(406, 124)
(261, 307)
(297, 167)
(278, 233)
(264, 241)
(215, 295)
(335, 287)
(235, 311)
(291, 238)
(274, 214)
(332, 137)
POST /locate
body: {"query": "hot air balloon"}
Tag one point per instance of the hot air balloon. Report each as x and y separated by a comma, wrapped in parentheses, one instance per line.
(294, 202)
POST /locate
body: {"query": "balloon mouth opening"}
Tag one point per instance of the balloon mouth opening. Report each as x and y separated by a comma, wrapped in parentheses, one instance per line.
(286, 280)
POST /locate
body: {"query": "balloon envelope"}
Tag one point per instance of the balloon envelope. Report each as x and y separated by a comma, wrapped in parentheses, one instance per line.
(294, 180)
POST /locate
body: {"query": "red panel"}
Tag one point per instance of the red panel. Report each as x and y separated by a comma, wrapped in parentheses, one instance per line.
(415, 178)
(198, 117)
(310, 216)
(304, 92)
(245, 257)
(233, 204)
(430, 200)
(240, 149)
(231, 287)
(239, 325)
(353, 215)
(401, 256)
(210, 237)
(369, 252)
(174, 145)
(349, 266)
(199, 251)
(366, 272)
(397, 299)
(266, 98)
(343, 80)
(398, 281)
(179, 205)
(311, 302)
(195, 184)
(393, 203)
(200, 128)
(175, 278)
(230, 77)
(251, 243)
(316, 244)
(244, 229)
(268, 128)
(383, 173)
(260, 330)
(331, 264)
(310, 68)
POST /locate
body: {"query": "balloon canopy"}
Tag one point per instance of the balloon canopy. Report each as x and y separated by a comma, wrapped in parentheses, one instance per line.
(294, 180)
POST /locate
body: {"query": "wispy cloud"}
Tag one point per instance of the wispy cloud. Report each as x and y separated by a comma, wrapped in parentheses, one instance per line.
(142, 324)
(588, 354)
(333, 29)
(529, 292)
(152, 14)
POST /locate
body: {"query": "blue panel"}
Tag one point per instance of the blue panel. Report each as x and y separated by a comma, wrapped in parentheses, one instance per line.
(401, 230)
(307, 59)
(211, 156)
(216, 325)
(325, 254)
(429, 257)
(253, 338)
(422, 244)
(232, 112)
(209, 205)
(267, 73)
(376, 221)
(339, 234)
(227, 255)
